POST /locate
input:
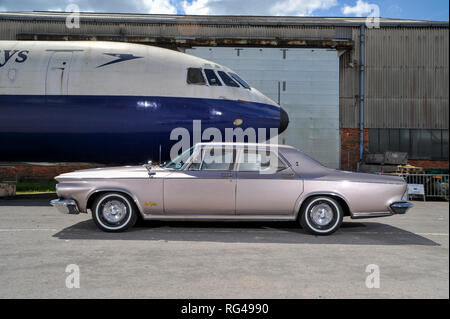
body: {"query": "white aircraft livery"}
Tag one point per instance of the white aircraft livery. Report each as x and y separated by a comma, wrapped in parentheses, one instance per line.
(111, 102)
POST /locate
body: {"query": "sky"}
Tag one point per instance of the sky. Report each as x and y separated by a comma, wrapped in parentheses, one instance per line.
(437, 10)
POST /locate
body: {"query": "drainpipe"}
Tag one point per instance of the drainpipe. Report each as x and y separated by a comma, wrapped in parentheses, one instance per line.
(361, 94)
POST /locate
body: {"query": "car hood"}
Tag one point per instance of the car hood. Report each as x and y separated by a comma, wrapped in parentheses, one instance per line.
(109, 172)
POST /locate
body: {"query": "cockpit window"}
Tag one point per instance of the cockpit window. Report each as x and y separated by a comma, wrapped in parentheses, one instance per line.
(227, 80)
(240, 80)
(213, 80)
(195, 76)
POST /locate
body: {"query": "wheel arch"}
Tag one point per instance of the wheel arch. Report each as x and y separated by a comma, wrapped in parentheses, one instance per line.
(93, 195)
(338, 197)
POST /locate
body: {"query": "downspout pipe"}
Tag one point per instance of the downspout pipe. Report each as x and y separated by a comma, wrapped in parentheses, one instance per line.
(361, 94)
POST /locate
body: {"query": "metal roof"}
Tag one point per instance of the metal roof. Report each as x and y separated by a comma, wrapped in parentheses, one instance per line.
(215, 19)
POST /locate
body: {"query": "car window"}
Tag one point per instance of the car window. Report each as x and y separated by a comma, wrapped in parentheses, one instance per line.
(213, 80)
(179, 161)
(196, 160)
(240, 80)
(214, 159)
(227, 79)
(218, 159)
(195, 76)
(260, 160)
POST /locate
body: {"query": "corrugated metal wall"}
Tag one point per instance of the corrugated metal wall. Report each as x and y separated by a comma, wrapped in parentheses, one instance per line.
(407, 78)
(9, 30)
(349, 84)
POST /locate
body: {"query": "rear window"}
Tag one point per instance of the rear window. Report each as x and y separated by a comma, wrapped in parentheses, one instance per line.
(195, 76)
(239, 79)
(227, 80)
(213, 80)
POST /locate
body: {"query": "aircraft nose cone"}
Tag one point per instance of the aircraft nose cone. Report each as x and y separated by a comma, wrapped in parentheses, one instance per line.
(284, 120)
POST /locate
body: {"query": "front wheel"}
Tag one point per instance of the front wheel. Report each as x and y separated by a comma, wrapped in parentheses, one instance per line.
(321, 215)
(114, 212)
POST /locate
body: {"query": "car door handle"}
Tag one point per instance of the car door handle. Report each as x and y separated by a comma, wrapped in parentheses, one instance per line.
(226, 174)
(289, 175)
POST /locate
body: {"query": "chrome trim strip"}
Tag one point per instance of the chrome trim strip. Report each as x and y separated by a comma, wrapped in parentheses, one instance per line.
(70, 179)
(357, 215)
(353, 181)
(221, 217)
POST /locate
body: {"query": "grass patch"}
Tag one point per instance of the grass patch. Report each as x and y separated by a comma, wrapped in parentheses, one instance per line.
(36, 186)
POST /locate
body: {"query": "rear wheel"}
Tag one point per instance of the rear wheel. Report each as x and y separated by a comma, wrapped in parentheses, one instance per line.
(321, 215)
(114, 212)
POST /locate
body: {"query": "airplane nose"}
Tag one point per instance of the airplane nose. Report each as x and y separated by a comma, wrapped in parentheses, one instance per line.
(284, 120)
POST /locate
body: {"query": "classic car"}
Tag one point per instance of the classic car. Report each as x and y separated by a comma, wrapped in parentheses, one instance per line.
(231, 181)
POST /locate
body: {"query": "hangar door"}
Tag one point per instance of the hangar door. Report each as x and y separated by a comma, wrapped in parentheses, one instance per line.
(304, 81)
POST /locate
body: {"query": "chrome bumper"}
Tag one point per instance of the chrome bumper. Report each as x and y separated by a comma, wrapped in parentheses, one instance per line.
(65, 206)
(394, 208)
(400, 207)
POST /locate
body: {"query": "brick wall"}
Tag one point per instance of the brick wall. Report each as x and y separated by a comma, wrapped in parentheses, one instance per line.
(429, 164)
(350, 147)
(30, 172)
(350, 151)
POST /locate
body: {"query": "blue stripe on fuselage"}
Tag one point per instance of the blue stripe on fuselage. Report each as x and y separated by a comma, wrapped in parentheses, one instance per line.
(113, 129)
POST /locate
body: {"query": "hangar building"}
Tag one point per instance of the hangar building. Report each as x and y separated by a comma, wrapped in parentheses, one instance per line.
(349, 89)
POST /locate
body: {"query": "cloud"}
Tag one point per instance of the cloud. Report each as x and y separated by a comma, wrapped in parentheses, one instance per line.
(197, 7)
(360, 9)
(159, 6)
(255, 7)
(129, 6)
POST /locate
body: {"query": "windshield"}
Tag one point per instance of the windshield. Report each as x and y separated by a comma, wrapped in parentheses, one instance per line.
(240, 80)
(180, 160)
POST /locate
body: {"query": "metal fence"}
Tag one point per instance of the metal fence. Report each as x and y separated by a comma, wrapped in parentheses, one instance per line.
(434, 185)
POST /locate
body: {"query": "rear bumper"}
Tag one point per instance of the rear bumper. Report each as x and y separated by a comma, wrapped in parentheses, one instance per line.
(65, 206)
(400, 207)
(394, 208)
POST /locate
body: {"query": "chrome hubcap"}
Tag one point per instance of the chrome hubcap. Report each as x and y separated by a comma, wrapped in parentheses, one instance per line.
(114, 211)
(322, 214)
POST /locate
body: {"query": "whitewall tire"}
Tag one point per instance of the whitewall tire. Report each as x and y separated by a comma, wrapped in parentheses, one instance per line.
(114, 212)
(321, 215)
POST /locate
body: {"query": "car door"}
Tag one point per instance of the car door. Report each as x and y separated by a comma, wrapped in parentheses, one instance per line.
(207, 186)
(266, 185)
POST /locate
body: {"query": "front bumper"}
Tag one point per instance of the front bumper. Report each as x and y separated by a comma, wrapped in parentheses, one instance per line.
(65, 206)
(400, 207)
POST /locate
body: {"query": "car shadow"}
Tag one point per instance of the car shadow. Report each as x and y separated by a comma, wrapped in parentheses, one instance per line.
(351, 233)
(14, 202)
